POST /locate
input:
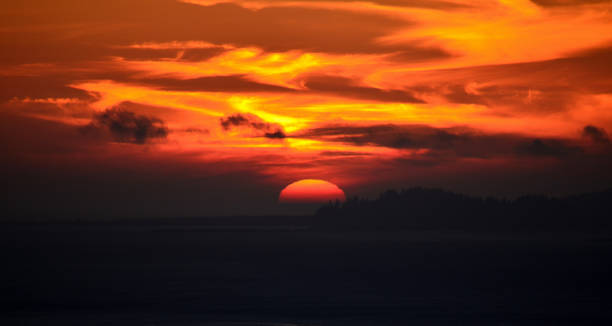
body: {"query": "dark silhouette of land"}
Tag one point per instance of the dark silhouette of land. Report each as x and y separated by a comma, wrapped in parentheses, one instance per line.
(413, 257)
(418, 208)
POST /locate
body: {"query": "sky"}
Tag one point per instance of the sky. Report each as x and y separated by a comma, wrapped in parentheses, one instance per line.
(121, 108)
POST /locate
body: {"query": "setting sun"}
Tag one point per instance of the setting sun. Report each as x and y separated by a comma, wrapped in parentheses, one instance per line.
(311, 191)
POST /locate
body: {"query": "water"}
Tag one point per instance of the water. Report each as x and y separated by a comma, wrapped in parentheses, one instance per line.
(168, 274)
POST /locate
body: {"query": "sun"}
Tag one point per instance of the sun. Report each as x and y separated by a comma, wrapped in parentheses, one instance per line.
(311, 191)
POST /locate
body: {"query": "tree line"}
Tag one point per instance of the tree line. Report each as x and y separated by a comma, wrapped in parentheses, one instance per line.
(436, 208)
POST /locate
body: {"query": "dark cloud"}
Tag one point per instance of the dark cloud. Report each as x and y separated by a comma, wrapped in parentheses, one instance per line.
(251, 121)
(432, 4)
(235, 120)
(322, 84)
(203, 54)
(234, 83)
(419, 53)
(127, 127)
(549, 147)
(43, 32)
(39, 31)
(173, 53)
(39, 87)
(520, 96)
(393, 136)
(543, 99)
(595, 134)
(456, 94)
(557, 3)
(275, 135)
(343, 153)
(540, 87)
(346, 87)
(143, 53)
(444, 143)
(38, 47)
(196, 131)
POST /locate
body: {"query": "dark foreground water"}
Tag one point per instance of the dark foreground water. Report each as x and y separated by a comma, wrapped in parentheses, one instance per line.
(164, 274)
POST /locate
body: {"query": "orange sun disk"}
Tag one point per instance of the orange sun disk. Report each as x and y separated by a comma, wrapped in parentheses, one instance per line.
(311, 191)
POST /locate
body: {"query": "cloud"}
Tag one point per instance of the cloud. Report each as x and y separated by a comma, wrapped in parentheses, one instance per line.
(556, 3)
(595, 134)
(417, 53)
(198, 55)
(39, 87)
(236, 120)
(251, 121)
(196, 131)
(549, 147)
(539, 87)
(343, 153)
(443, 143)
(233, 83)
(47, 34)
(318, 84)
(276, 134)
(434, 4)
(258, 4)
(142, 53)
(346, 87)
(393, 136)
(127, 127)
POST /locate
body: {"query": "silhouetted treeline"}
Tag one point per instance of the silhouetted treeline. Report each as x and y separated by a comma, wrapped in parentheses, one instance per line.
(435, 208)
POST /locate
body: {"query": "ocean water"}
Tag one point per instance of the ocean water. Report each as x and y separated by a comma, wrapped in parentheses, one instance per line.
(184, 274)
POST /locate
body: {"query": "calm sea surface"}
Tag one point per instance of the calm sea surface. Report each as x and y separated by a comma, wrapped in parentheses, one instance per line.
(167, 274)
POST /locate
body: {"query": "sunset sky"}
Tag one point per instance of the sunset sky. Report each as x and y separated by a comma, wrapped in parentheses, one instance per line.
(196, 107)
